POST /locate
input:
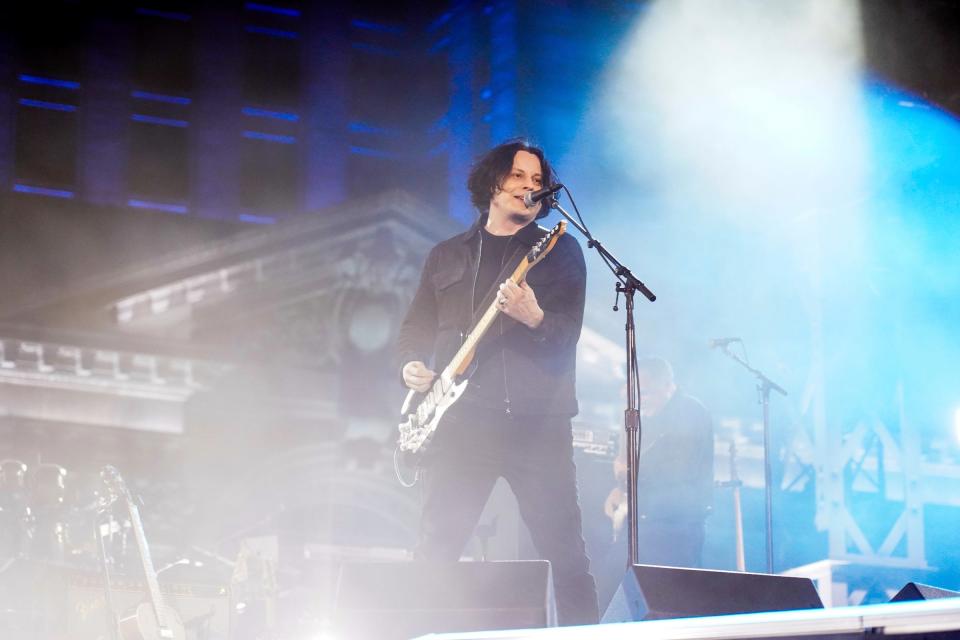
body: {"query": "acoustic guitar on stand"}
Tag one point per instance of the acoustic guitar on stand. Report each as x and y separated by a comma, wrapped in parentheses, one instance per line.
(153, 620)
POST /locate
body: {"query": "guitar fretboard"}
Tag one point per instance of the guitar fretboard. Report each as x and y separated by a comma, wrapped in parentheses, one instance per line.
(153, 585)
(473, 338)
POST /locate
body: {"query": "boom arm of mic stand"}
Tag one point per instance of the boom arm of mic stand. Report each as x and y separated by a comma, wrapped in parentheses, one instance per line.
(764, 380)
(622, 273)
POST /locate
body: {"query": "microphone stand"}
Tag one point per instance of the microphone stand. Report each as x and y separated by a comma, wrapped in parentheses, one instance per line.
(764, 385)
(105, 518)
(628, 285)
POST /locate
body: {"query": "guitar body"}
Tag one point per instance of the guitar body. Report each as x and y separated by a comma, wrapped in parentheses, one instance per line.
(418, 427)
(143, 624)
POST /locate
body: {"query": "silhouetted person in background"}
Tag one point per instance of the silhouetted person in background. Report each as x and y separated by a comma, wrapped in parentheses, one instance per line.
(674, 477)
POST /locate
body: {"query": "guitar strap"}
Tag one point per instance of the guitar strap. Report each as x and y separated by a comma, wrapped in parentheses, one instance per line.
(490, 343)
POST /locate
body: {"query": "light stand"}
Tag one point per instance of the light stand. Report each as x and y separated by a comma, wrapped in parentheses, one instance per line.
(628, 285)
(764, 385)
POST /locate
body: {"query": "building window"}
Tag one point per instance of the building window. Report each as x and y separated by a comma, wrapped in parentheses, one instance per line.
(158, 170)
(164, 49)
(269, 166)
(272, 55)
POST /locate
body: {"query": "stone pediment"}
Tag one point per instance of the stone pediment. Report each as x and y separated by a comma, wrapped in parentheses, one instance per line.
(263, 316)
(142, 297)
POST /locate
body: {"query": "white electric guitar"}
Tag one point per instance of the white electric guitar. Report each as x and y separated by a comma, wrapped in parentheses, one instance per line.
(421, 412)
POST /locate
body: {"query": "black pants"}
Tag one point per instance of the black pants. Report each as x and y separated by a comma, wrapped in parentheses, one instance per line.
(534, 454)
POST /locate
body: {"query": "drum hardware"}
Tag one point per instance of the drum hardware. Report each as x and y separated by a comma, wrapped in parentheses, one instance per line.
(13, 476)
(16, 516)
(62, 529)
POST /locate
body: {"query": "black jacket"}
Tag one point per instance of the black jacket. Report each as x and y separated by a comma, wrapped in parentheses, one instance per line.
(533, 368)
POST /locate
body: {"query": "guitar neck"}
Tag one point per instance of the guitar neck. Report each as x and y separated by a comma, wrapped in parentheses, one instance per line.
(464, 353)
(153, 585)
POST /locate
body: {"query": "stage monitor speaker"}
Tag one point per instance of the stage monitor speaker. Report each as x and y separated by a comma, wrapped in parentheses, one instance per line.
(650, 592)
(917, 591)
(400, 600)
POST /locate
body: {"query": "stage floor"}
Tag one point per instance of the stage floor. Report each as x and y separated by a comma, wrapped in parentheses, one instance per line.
(900, 619)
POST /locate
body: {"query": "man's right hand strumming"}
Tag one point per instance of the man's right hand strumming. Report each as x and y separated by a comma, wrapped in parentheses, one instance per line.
(417, 376)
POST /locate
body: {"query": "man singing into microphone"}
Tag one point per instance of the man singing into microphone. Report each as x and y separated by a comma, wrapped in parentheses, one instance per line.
(513, 420)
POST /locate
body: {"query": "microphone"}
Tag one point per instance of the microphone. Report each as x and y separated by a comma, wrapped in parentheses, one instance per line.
(533, 197)
(721, 342)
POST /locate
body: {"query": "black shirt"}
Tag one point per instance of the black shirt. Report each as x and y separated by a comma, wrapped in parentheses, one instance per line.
(492, 250)
(487, 386)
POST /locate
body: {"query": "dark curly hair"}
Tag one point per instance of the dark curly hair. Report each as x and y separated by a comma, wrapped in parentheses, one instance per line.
(489, 172)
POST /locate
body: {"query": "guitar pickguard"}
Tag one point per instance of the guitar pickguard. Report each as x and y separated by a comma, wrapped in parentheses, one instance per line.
(419, 426)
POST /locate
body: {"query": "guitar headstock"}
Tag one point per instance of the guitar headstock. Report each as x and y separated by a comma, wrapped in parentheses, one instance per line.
(546, 244)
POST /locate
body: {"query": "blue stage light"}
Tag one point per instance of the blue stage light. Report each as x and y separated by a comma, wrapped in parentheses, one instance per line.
(158, 206)
(42, 191)
(268, 8)
(43, 104)
(50, 82)
(275, 115)
(269, 137)
(166, 122)
(159, 97)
